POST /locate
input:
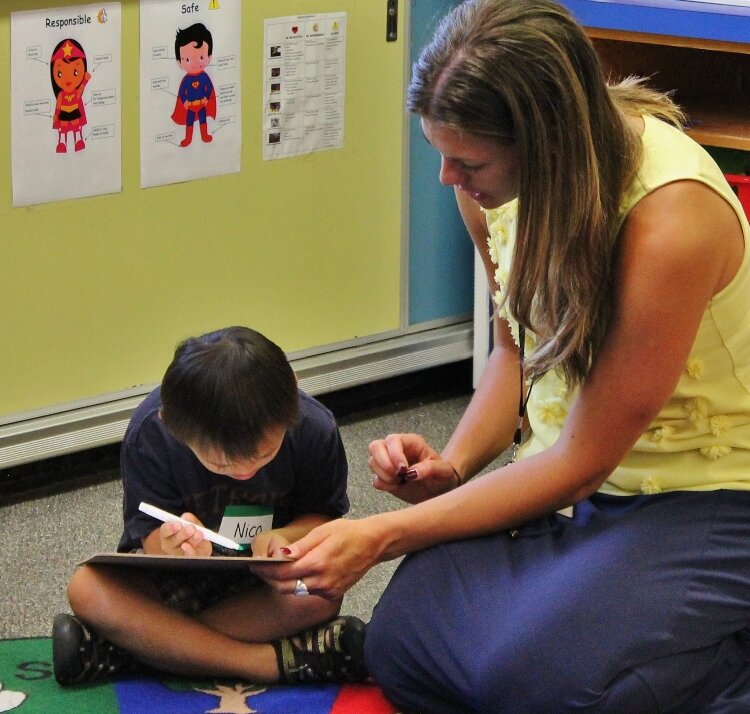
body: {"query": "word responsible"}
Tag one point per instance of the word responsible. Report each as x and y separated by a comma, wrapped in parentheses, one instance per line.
(68, 21)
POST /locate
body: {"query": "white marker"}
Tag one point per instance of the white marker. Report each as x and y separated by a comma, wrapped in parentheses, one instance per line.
(210, 535)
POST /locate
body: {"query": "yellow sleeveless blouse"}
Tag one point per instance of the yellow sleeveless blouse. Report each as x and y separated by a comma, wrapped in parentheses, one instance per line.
(701, 438)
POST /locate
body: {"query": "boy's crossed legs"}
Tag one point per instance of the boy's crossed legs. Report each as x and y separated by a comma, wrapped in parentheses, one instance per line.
(242, 635)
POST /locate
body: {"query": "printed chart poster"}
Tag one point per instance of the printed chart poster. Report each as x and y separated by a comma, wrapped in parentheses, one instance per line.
(305, 72)
(65, 103)
(191, 125)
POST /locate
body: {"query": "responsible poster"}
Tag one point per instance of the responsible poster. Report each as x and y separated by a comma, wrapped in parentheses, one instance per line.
(65, 103)
(303, 84)
(191, 123)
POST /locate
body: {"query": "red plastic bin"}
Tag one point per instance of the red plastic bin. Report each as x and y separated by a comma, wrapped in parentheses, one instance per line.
(741, 186)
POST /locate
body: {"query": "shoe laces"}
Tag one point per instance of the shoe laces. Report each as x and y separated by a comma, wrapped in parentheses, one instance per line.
(321, 653)
(99, 657)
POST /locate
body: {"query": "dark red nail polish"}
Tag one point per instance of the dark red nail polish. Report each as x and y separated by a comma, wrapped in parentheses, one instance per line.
(411, 474)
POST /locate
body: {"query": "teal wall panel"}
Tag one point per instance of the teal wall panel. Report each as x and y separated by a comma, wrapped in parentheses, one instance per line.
(441, 282)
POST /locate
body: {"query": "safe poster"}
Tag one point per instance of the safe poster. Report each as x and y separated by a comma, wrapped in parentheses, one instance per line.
(65, 103)
(191, 123)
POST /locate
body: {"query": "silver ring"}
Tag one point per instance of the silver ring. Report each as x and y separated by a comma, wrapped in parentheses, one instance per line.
(300, 589)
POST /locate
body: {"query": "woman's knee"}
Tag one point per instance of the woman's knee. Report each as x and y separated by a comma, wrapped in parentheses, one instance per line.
(383, 649)
(392, 659)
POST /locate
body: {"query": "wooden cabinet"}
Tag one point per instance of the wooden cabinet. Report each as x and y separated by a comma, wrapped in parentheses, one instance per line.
(700, 50)
(710, 78)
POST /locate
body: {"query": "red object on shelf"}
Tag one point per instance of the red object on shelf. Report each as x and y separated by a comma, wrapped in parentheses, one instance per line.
(741, 186)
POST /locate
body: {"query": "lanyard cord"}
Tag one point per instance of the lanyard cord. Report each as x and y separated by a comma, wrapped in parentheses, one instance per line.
(523, 400)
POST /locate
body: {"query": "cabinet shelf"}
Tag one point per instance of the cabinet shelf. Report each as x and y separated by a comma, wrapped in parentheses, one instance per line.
(710, 79)
(726, 127)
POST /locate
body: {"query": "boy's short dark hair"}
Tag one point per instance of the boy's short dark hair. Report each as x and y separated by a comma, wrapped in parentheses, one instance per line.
(225, 389)
(198, 34)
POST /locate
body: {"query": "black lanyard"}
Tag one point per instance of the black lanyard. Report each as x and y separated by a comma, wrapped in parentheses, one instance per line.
(523, 400)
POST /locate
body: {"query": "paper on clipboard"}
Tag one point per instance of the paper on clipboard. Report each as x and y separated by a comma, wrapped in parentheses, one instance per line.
(181, 562)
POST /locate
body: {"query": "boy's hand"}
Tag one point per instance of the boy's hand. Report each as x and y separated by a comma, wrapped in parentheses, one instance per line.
(269, 544)
(178, 539)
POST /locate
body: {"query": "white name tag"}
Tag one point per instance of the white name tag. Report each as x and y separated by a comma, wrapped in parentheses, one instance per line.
(243, 523)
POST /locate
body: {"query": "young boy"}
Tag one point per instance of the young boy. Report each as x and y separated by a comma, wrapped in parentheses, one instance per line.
(228, 434)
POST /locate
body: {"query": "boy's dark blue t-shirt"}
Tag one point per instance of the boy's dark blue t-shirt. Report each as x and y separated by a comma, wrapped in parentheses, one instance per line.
(308, 475)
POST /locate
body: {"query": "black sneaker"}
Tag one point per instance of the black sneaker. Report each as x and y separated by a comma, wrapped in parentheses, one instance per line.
(80, 655)
(332, 652)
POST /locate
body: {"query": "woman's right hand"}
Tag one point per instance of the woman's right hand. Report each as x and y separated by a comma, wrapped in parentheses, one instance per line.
(406, 466)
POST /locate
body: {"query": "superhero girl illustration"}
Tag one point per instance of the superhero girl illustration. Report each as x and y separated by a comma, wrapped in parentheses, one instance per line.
(69, 73)
(196, 97)
(68, 70)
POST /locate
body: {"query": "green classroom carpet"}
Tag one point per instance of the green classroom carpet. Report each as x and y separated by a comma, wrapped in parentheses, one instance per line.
(27, 686)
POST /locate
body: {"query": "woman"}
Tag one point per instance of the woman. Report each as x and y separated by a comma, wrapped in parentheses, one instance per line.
(617, 255)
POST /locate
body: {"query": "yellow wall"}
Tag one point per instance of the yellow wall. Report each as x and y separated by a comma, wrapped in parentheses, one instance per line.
(96, 292)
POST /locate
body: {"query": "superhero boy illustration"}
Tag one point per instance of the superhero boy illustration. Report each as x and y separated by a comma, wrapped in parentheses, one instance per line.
(69, 73)
(196, 97)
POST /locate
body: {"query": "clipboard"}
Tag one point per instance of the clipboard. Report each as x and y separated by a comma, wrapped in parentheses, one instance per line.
(182, 562)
